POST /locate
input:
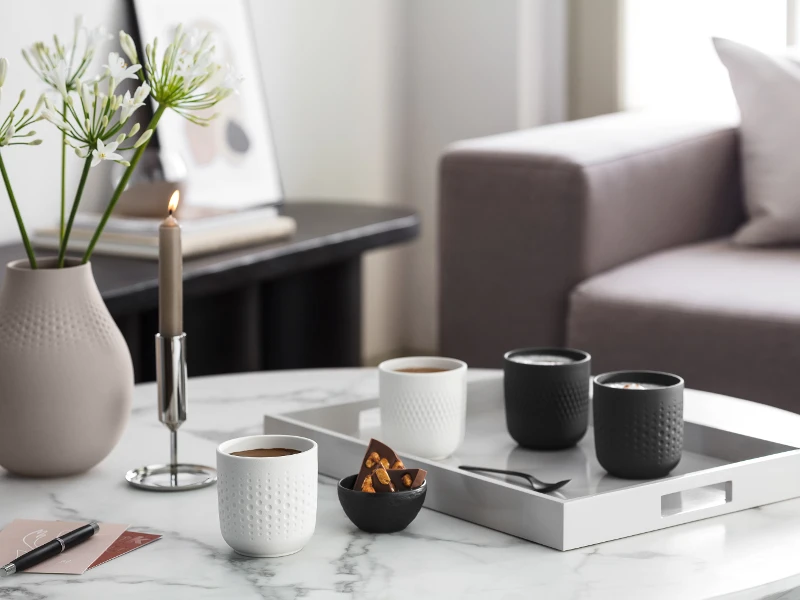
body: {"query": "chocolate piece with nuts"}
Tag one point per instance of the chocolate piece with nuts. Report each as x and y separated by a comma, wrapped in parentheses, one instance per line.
(381, 480)
(378, 455)
(407, 479)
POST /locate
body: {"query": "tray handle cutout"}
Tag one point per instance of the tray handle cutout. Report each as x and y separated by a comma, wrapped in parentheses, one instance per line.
(694, 499)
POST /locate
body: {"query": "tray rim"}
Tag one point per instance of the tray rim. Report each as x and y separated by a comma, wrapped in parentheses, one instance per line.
(675, 481)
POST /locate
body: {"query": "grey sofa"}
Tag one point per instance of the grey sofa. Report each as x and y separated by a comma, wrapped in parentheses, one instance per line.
(610, 235)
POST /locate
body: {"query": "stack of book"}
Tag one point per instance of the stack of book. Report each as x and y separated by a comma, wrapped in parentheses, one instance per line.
(204, 231)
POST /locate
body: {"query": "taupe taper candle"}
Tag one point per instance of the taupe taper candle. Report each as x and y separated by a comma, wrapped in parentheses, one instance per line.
(170, 274)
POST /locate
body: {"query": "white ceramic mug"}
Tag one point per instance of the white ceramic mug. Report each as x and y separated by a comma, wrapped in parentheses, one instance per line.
(267, 506)
(423, 414)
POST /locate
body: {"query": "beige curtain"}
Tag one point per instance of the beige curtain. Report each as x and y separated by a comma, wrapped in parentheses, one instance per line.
(595, 40)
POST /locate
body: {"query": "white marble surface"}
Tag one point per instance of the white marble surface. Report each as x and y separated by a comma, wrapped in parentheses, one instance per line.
(751, 554)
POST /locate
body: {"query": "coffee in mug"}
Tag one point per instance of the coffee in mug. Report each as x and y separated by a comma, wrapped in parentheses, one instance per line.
(266, 452)
(421, 370)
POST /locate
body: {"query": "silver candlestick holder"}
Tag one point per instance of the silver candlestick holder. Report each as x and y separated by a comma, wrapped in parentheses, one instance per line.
(171, 382)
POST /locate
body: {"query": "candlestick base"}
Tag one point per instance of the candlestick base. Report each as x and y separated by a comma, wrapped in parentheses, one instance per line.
(171, 383)
(172, 478)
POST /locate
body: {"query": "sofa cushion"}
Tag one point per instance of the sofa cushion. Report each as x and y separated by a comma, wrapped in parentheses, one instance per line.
(767, 89)
(724, 317)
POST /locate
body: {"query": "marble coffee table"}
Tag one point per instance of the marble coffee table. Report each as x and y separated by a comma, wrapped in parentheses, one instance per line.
(750, 554)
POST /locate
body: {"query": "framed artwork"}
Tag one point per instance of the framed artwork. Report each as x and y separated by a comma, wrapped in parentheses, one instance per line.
(230, 163)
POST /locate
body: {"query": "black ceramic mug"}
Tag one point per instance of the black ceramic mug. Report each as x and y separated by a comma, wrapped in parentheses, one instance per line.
(547, 396)
(638, 423)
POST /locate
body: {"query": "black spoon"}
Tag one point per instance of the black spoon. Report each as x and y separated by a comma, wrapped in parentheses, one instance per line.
(536, 485)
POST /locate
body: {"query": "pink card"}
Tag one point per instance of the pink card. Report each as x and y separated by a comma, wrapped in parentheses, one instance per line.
(23, 535)
(127, 542)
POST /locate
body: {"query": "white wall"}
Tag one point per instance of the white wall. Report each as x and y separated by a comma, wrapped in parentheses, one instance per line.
(334, 79)
(364, 96)
(462, 77)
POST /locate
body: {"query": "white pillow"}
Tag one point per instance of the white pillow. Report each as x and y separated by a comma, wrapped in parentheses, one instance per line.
(767, 89)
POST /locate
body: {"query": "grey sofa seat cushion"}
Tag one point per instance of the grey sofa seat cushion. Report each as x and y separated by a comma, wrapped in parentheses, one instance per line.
(724, 317)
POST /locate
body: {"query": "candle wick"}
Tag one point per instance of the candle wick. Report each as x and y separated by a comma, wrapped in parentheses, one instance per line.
(170, 212)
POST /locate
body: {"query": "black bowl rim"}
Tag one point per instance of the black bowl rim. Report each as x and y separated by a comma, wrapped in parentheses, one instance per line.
(644, 376)
(579, 356)
(351, 490)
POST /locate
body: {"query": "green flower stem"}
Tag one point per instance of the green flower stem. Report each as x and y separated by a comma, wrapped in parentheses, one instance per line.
(64, 242)
(18, 216)
(63, 179)
(122, 184)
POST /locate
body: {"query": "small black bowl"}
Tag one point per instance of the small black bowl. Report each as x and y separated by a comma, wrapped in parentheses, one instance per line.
(386, 512)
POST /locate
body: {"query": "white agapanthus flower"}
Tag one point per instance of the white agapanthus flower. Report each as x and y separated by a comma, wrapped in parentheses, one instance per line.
(118, 70)
(183, 77)
(130, 103)
(12, 128)
(59, 76)
(95, 37)
(106, 152)
(231, 80)
(91, 116)
(60, 66)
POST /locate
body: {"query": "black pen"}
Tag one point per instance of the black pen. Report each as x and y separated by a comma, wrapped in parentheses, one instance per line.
(50, 549)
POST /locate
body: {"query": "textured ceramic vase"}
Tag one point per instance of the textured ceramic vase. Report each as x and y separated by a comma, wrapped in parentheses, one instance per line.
(66, 376)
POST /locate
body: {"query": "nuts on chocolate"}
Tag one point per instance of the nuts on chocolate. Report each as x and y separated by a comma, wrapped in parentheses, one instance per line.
(366, 485)
(382, 470)
(372, 460)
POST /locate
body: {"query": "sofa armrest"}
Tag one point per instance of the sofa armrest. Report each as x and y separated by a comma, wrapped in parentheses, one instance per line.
(526, 216)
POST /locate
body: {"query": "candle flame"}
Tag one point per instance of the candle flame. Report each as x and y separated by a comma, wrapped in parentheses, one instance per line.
(174, 200)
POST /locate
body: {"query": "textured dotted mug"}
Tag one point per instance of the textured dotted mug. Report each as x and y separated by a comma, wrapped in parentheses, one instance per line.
(638, 423)
(423, 404)
(267, 504)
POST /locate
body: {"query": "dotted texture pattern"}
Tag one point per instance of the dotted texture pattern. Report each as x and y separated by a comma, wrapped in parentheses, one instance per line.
(264, 510)
(640, 439)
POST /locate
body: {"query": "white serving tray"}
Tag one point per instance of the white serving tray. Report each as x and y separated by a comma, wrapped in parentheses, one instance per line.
(720, 472)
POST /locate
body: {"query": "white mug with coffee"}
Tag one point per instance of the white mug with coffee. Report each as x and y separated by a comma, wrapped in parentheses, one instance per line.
(267, 493)
(423, 404)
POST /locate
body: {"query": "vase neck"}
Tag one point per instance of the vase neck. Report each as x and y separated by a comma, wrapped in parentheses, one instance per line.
(48, 280)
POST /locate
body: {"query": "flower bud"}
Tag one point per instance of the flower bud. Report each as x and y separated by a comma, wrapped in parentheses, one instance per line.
(3, 70)
(86, 97)
(120, 138)
(35, 143)
(143, 138)
(134, 130)
(128, 47)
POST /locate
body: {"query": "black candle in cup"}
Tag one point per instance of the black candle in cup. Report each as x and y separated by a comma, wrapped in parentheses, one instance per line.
(638, 423)
(547, 396)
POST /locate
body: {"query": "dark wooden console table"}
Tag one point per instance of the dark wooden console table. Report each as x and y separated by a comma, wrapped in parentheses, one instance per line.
(290, 304)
